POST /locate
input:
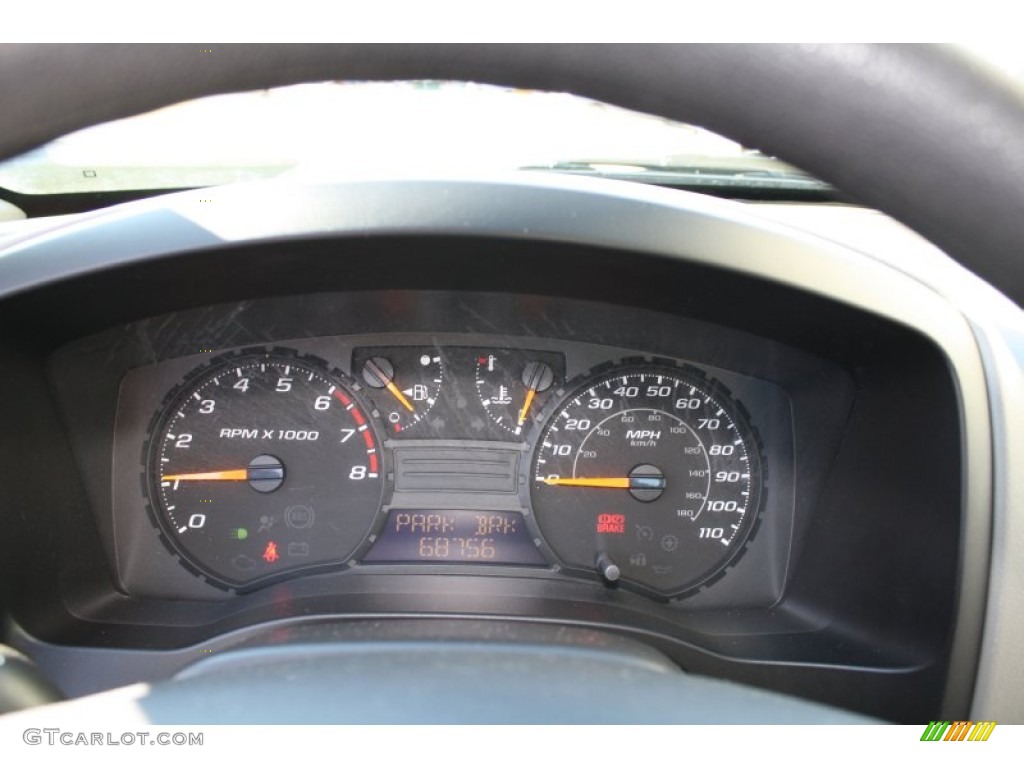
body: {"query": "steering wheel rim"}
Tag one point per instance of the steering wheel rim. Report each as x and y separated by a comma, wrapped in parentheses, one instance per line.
(877, 121)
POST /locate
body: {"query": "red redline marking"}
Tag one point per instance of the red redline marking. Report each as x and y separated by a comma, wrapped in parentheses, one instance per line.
(368, 439)
(360, 420)
(398, 427)
(344, 400)
(373, 462)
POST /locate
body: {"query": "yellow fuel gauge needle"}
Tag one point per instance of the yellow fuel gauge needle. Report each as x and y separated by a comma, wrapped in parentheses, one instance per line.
(399, 396)
(379, 372)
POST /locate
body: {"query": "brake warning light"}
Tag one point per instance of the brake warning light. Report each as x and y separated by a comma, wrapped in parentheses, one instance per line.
(611, 523)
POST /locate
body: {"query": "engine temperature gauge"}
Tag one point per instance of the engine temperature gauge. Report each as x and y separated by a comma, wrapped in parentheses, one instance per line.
(513, 385)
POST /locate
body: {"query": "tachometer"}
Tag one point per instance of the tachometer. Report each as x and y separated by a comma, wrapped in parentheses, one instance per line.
(648, 474)
(263, 464)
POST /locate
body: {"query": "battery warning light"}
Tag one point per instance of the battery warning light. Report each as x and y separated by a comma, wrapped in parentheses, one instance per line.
(270, 553)
(611, 523)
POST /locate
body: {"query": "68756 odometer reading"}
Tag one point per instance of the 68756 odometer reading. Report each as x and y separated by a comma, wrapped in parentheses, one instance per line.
(649, 474)
(454, 536)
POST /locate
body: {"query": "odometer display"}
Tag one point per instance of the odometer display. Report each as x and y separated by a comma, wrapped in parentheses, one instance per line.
(454, 536)
(650, 474)
(263, 465)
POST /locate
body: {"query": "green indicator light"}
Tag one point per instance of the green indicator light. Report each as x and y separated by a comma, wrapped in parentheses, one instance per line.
(239, 533)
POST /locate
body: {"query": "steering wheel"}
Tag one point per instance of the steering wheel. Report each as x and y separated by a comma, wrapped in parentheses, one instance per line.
(922, 133)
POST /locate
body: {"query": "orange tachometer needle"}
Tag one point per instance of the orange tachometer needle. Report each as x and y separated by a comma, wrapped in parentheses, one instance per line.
(398, 394)
(526, 405)
(228, 474)
(590, 482)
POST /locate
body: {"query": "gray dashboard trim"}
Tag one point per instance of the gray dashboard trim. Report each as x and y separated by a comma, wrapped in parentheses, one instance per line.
(1000, 677)
(426, 682)
(598, 213)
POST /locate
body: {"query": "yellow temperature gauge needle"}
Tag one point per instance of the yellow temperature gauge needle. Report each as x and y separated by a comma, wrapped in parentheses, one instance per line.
(399, 396)
(526, 406)
(227, 474)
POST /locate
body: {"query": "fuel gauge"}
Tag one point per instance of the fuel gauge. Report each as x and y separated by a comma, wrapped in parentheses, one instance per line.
(513, 384)
(403, 382)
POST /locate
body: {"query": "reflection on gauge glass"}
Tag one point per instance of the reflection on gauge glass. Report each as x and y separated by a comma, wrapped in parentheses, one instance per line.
(648, 474)
(402, 382)
(261, 465)
(513, 385)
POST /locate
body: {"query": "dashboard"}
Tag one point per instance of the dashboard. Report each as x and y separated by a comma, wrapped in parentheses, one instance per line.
(393, 409)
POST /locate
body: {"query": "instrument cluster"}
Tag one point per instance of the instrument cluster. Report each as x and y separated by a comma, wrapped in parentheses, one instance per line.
(552, 458)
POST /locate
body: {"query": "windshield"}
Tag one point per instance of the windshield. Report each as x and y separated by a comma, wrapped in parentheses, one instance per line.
(344, 129)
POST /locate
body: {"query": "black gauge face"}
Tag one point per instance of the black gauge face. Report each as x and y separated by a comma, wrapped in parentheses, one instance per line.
(513, 385)
(647, 474)
(402, 382)
(263, 465)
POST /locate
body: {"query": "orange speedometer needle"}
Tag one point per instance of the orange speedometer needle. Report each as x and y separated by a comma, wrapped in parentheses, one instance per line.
(590, 482)
(227, 474)
(399, 396)
(526, 405)
(637, 482)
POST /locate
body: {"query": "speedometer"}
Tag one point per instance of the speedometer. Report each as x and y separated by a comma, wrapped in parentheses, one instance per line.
(648, 474)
